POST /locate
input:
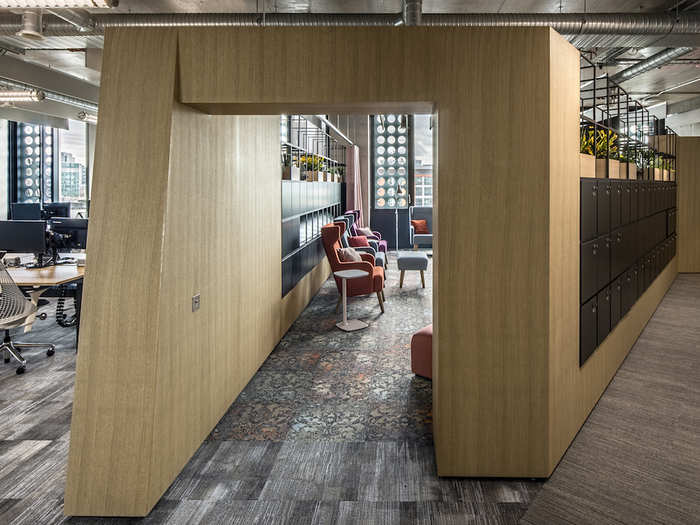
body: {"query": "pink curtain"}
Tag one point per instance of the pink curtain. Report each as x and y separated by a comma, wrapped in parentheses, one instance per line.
(354, 182)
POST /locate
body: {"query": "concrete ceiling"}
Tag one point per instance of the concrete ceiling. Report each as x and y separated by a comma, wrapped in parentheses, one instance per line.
(671, 83)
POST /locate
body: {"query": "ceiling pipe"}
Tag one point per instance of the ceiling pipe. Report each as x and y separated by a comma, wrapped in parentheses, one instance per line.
(654, 61)
(564, 23)
(49, 95)
(412, 12)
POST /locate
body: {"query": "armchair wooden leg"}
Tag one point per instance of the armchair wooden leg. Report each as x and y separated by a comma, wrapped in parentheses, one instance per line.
(422, 278)
(401, 278)
(383, 296)
(381, 301)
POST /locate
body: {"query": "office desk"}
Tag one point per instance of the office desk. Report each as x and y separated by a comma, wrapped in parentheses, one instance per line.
(47, 277)
(41, 279)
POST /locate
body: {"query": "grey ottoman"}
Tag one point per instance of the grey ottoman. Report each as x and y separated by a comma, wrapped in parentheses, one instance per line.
(412, 261)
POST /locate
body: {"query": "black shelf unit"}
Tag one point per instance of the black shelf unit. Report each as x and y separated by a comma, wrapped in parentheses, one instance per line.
(306, 207)
(628, 224)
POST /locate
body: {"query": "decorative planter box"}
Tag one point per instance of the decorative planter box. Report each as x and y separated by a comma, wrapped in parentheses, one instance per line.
(657, 174)
(672, 175)
(613, 171)
(291, 173)
(629, 169)
(586, 165)
(665, 175)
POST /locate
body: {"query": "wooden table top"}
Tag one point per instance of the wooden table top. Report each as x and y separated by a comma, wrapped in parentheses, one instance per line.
(49, 276)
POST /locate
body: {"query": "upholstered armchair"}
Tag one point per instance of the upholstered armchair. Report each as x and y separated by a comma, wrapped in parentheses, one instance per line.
(417, 213)
(373, 283)
(373, 248)
(376, 237)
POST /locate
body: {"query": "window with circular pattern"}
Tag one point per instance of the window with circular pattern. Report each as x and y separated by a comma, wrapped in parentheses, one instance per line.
(34, 163)
(390, 161)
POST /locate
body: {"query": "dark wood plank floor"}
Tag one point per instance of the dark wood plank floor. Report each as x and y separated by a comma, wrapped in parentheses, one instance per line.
(349, 442)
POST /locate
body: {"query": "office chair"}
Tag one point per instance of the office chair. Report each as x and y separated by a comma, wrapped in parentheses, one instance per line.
(16, 311)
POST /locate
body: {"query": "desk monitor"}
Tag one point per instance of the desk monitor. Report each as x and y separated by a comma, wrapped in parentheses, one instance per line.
(25, 211)
(56, 209)
(76, 229)
(23, 236)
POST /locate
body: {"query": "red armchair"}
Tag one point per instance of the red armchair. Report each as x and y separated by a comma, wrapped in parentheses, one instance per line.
(373, 283)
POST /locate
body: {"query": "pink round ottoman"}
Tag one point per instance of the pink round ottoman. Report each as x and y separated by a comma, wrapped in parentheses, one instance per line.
(422, 352)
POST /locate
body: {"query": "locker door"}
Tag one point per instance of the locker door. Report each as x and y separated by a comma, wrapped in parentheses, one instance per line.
(617, 255)
(615, 203)
(588, 335)
(589, 269)
(603, 300)
(615, 300)
(674, 195)
(634, 200)
(673, 220)
(641, 284)
(603, 262)
(642, 212)
(589, 204)
(648, 271)
(625, 199)
(627, 294)
(603, 206)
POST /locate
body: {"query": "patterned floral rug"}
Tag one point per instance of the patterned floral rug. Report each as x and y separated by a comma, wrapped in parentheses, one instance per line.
(321, 383)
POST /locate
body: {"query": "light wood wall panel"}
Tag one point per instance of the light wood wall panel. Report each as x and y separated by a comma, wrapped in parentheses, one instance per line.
(222, 240)
(564, 234)
(688, 219)
(490, 310)
(112, 427)
(183, 203)
(506, 102)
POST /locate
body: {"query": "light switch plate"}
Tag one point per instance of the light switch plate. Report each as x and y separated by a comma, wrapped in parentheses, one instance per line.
(195, 302)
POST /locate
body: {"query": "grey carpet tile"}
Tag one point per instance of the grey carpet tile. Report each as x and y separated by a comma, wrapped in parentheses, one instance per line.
(351, 440)
(637, 458)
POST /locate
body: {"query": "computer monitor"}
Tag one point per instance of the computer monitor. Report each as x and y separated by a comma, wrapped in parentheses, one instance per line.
(23, 236)
(75, 229)
(56, 209)
(25, 211)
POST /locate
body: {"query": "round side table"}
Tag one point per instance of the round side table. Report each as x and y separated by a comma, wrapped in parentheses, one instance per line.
(352, 324)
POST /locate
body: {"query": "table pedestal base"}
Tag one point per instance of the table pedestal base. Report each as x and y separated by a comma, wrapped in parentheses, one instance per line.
(351, 325)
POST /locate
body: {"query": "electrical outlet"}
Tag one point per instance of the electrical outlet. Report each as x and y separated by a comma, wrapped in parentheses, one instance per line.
(195, 302)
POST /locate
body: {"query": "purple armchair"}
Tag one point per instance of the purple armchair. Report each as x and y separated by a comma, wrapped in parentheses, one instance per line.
(354, 216)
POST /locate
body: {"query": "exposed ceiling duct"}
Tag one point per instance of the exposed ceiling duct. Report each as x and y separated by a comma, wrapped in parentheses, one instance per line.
(654, 61)
(49, 95)
(565, 23)
(31, 25)
(412, 12)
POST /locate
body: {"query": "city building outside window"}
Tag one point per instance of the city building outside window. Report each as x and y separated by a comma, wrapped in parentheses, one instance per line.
(423, 160)
(73, 176)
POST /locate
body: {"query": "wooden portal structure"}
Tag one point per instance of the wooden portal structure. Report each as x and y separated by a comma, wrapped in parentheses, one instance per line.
(187, 187)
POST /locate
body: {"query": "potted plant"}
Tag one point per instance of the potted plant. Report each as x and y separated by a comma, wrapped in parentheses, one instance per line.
(290, 167)
(628, 168)
(586, 158)
(607, 163)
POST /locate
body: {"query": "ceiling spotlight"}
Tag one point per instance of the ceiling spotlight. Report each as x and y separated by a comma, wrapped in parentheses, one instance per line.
(87, 118)
(22, 96)
(32, 26)
(58, 4)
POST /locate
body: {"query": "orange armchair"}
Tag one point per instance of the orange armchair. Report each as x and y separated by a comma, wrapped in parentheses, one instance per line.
(373, 283)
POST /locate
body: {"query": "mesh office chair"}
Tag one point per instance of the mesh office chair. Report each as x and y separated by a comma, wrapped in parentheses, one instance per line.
(16, 311)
